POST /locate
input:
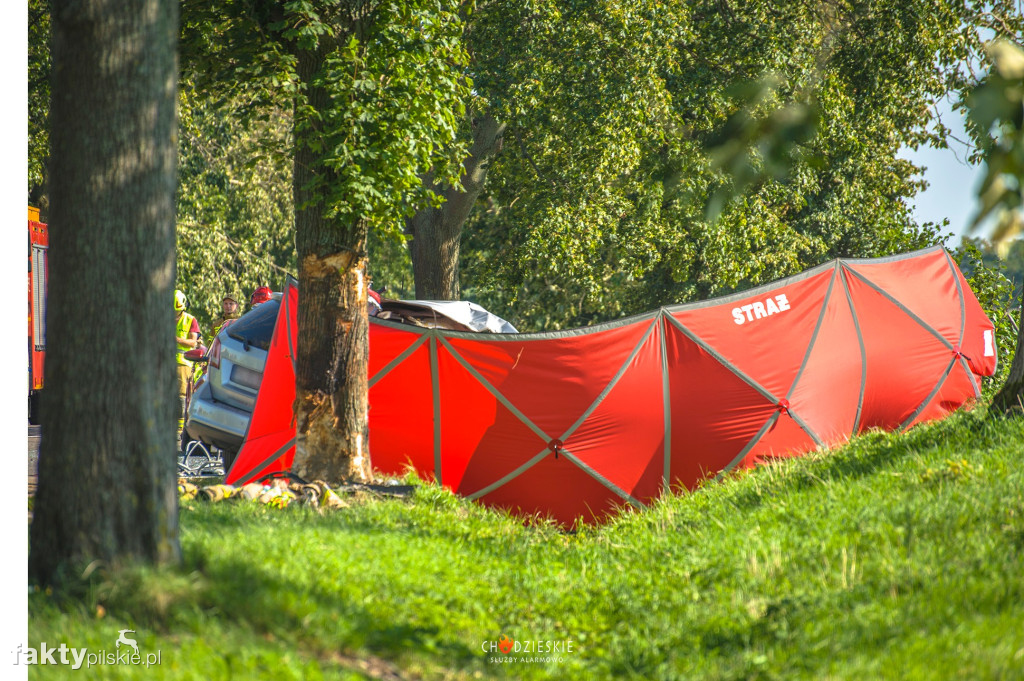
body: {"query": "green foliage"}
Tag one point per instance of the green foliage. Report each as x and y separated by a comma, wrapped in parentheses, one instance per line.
(754, 144)
(996, 106)
(381, 108)
(997, 117)
(229, 53)
(895, 557)
(987, 276)
(597, 204)
(397, 90)
(579, 87)
(1010, 262)
(235, 213)
(38, 101)
(391, 265)
(234, 184)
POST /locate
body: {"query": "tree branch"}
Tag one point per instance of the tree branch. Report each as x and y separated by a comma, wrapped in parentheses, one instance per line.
(237, 247)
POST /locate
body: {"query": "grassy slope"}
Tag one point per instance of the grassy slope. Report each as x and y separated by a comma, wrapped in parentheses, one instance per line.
(896, 557)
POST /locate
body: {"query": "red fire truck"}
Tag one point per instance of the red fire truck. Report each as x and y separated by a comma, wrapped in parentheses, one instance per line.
(38, 243)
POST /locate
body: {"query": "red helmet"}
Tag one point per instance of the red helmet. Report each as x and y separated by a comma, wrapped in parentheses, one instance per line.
(260, 295)
(372, 302)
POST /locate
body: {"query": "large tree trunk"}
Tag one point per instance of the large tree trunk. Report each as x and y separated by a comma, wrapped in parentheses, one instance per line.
(436, 232)
(333, 330)
(1010, 397)
(106, 465)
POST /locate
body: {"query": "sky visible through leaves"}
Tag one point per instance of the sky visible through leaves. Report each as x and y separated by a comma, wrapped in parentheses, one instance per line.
(953, 182)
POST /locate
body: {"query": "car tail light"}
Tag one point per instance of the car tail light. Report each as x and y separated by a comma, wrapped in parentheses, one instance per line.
(214, 354)
(247, 377)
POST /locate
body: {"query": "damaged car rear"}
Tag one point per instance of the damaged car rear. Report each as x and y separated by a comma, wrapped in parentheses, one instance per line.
(222, 402)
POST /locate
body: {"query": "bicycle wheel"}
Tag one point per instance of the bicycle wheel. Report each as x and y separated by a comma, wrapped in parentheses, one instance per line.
(197, 457)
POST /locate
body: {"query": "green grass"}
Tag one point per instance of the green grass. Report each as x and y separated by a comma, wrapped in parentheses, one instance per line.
(896, 557)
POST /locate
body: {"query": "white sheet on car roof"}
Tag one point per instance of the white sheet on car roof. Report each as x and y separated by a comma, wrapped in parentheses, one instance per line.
(465, 312)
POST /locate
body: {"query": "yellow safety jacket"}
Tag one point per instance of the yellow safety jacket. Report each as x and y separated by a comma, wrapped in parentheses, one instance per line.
(182, 328)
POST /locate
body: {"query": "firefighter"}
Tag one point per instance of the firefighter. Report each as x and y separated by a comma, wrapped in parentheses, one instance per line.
(186, 332)
(372, 302)
(229, 307)
(260, 295)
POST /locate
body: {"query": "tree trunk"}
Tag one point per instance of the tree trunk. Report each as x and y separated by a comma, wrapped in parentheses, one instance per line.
(330, 380)
(436, 232)
(1010, 397)
(106, 465)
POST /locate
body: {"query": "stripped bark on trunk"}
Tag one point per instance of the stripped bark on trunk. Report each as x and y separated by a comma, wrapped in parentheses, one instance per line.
(331, 363)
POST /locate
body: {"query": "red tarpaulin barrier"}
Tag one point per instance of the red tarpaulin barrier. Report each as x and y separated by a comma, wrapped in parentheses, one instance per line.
(269, 444)
(574, 424)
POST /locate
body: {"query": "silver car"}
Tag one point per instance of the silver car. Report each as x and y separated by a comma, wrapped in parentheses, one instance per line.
(222, 403)
(223, 400)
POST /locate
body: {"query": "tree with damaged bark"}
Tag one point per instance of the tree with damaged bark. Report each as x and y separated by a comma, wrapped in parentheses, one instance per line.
(376, 91)
(106, 490)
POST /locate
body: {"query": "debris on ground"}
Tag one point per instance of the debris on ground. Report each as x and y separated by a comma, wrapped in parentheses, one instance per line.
(280, 492)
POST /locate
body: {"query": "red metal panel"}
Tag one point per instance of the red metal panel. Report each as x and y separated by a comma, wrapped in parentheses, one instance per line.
(978, 342)
(39, 241)
(482, 439)
(630, 413)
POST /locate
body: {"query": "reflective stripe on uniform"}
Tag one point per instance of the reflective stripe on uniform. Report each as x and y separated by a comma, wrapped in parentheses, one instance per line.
(182, 328)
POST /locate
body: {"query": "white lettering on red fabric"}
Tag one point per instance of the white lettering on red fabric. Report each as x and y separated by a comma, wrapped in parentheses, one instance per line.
(760, 309)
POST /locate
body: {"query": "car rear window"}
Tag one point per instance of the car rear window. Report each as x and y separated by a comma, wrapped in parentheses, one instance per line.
(256, 327)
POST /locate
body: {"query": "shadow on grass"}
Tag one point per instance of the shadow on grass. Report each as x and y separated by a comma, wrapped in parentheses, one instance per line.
(242, 591)
(461, 523)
